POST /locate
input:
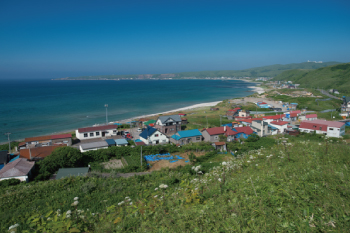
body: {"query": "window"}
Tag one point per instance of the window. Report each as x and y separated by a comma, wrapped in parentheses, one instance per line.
(97, 133)
(91, 134)
(156, 135)
(216, 137)
(114, 131)
(198, 138)
(330, 128)
(85, 135)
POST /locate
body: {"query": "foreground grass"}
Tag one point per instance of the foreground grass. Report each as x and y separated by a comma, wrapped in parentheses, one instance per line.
(292, 187)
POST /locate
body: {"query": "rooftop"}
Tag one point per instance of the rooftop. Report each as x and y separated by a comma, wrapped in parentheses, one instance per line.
(92, 145)
(37, 152)
(19, 167)
(67, 172)
(97, 128)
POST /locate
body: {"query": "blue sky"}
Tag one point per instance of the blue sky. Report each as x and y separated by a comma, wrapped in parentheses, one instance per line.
(52, 39)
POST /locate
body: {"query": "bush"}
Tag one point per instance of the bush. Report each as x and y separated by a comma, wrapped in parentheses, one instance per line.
(9, 182)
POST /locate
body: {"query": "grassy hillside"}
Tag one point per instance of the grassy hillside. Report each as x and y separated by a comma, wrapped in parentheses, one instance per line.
(302, 186)
(264, 71)
(336, 76)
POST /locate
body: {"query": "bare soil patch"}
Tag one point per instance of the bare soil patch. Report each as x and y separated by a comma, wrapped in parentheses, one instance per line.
(113, 164)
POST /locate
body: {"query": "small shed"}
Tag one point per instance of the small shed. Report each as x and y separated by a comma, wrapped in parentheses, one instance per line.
(110, 142)
(121, 142)
(67, 172)
(221, 146)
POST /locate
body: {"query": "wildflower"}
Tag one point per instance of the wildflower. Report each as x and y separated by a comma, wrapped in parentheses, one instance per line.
(68, 216)
(76, 198)
(156, 189)
(127, 198)
(256, 164)
(81, 216)
(248, 161)
(219, 179)
(48, 218)
(120, 203)
(200, 172)
(75, 203)
(224, 163)
(130, 203)
(68, 212)
(13, 226)
(156, 196)
(163, 186)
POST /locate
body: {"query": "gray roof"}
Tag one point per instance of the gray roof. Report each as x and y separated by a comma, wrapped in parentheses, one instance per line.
(19, 167)
(121, 141)
(66, 172)
(92, 145)
(164, 119)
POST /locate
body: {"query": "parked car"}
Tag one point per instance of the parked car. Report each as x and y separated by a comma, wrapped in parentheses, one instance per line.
(139, 130)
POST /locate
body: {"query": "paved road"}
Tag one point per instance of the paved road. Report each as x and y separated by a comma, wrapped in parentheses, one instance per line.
(327, 94)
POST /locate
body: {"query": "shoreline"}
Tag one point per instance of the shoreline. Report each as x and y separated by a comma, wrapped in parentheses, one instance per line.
(254, 89)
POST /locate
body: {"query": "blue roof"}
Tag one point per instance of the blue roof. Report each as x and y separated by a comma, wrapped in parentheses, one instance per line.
(176, 137)
(272, 127)
(138, 140)
(110, 142)
(189, 133)
(13, 159)
(229, 125)
(121, 141)
(147, 132)
(1, 166)
(118, 123)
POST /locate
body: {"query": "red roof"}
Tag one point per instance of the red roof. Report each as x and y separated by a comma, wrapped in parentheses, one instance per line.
(182, 114)
(296, 111)
(67, 135)
(97, 128)
(250, 120)
(315, 124)
(37, 152)
(246, 129)
(140, 143)
(279, 122)
(276, 117)
(152, 125)
(262, 103)
(220, 143)
(243, 118)
(220, 130)
(232, 110)
(311, 116)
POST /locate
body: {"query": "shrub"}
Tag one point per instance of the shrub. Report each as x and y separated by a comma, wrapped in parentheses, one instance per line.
(9, 182)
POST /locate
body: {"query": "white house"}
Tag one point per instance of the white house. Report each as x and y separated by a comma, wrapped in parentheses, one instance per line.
(93, 146)
(309, 117)
(329, 128)
(96, 132)
(18, 169)
(152, 136)
(280, 125)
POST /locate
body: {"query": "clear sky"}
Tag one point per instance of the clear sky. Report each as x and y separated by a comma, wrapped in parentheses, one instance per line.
(53, 39)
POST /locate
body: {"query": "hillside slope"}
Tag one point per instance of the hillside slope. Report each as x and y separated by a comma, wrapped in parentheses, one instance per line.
(264, 71)
(336, 76)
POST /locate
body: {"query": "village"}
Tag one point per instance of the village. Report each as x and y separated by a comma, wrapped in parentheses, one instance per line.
(236, 124)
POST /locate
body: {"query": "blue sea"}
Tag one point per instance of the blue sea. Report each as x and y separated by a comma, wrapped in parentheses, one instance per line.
(41, 107)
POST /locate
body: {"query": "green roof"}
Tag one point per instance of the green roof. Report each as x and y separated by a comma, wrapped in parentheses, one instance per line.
(77, 171)
(149, 122)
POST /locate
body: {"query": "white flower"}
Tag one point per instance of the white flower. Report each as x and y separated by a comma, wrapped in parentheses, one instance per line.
(69, 212)
(127, 198)
(75, 203)
(48, 218)
(156, 189)
(248, 161)
(219, 179)
(256, 164)
(224, 163)
(13, 226)
(58, 210)
(163, 186)
(68, 216)
(156, 196)
(130, 203)
(200, 172)
(81, 216)
(120, 203)
(76, 198)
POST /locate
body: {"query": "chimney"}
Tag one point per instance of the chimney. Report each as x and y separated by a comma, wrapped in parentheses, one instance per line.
(224, 128)
(30, 154)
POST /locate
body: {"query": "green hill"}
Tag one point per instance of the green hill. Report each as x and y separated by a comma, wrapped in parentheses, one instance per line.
(264, 71)
(336, 76)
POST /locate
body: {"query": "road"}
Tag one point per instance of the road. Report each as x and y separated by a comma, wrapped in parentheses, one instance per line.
(327, 94)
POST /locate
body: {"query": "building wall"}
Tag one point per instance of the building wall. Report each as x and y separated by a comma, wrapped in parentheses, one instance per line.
(81, 149)
(184, 141)
(335, 132)
(210, 138)
(170, 128)
(21, 178)
(95, 134)
(161, 138)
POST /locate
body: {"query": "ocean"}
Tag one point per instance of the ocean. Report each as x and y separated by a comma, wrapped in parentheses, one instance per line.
(31, 108)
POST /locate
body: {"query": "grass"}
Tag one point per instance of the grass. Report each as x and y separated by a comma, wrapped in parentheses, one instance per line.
(302, 186)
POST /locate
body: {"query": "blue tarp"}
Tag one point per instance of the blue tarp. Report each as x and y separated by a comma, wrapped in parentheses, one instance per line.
(158, 157)
(117, 123)
(138, 140)
(347, 123)
(228, 125)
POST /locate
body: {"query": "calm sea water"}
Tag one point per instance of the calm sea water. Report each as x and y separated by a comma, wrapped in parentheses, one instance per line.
(40, 107)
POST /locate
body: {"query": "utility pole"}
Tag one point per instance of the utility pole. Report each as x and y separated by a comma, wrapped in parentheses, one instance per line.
(141, 157)
(106, 105)
(8, 137)
(207, 120)
(220, 120)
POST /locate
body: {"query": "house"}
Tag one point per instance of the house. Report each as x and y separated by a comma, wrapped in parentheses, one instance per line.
(50, 140)
(230, 114)
(262, 105)
(93, 146)
(212, 134)
(269, 119)
(68, 172)
(261, 128)
(186, 136)
(214, 109)
(272, 129)
(121, 142)
(221, 146)
(290, 117)
(182, 114)
(18, 169)
(346, 104)
(238, 118)
(244, 113)
(242, 132)
(4, 158)
(184, 121)
(96, 132)
(168, 124)
(329, 128)
(37, 153)
(248, 122)
(110, 142)
(152, 136)
(280, 125)
(298, 112)
(311, 117)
